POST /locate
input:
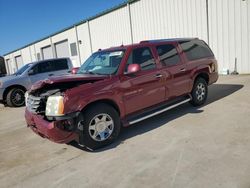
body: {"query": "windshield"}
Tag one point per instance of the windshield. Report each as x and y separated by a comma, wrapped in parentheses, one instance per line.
(22, 69)
(103, 63)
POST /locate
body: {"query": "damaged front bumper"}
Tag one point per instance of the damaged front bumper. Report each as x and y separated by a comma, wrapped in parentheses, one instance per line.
(60, 130)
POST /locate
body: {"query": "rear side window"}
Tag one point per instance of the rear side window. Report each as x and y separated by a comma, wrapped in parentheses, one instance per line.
(49, 66)
(196, 49)
(143, 57)
(44, 67)
(168, 54)
(61, 64)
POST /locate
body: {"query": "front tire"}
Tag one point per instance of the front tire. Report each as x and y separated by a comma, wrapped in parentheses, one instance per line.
(199, 92)
(15, 97)
(101, 126)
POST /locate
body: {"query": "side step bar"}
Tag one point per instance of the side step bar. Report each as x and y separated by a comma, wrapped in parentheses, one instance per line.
(160, 111)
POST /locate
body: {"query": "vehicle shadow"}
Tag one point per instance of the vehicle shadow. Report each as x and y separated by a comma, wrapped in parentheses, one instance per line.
(216, 92)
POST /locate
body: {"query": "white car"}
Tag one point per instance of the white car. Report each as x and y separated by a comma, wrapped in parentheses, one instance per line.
(13, 87)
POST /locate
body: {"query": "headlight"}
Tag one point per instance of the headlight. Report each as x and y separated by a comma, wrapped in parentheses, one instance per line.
(54, 106)
(1, 84)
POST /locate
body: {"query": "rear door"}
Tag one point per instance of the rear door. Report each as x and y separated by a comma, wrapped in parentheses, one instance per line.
(146, 87)
(173, 65)
(196, 53)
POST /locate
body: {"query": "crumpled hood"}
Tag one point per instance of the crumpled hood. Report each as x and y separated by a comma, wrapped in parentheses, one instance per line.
(67, 79)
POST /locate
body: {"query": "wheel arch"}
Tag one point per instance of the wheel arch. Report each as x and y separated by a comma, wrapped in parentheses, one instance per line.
(6, 91)
(203, 75)
(103, 101)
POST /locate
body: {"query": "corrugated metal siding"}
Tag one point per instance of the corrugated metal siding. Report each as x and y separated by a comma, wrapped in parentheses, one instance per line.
(110, 30)
(153, 19)
(229, 33)
(229, 29)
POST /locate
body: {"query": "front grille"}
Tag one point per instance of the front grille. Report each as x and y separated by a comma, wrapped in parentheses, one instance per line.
(35, 104)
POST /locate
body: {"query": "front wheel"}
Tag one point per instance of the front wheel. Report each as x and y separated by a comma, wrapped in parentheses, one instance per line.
(101, 126)
(16, 97)
(199, 92)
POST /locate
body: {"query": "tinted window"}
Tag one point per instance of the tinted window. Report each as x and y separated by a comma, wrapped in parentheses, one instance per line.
(168, 54)
(49, 66)
(45, 67)
(61, 64)
(143, 57)
(196, 49)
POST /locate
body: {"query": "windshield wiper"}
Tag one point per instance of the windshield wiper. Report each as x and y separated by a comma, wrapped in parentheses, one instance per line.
(91, 72)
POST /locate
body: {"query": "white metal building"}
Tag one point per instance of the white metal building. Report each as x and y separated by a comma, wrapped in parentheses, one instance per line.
(224, 24)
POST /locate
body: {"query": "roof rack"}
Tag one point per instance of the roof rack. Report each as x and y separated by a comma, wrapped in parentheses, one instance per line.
(166, 40)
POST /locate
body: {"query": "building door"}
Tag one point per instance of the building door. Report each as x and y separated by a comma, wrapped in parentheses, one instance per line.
(62, 49)
(19, 61)
(47, 52)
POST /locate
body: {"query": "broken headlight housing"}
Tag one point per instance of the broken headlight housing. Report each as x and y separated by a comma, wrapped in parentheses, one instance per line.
(55, 106)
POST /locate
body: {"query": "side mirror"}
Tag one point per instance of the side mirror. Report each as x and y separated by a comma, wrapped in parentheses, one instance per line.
(31, 72)
(133, 68)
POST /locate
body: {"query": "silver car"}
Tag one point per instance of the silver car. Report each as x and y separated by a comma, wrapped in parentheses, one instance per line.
(13, 87)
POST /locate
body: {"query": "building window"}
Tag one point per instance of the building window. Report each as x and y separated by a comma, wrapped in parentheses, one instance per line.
(73, 49)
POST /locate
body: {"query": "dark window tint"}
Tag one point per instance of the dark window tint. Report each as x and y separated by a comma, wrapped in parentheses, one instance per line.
(49, 66)
(61, 64)
(73, 49)
(168, 54)
(196, 49)
(143, 57)
(45, 67)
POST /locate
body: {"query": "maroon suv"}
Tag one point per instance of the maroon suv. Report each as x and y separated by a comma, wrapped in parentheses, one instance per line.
(120, 86)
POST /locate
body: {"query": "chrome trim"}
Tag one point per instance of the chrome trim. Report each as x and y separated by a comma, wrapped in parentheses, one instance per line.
(159, 112)
(33, 103)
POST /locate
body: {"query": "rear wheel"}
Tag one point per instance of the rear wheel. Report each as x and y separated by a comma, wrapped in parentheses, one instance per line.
(199, 92)
(101, 126)
(15, 97)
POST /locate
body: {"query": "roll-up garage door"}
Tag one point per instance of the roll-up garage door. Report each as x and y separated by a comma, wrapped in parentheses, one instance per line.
(62, 49)
(19, 61)
(47, 52)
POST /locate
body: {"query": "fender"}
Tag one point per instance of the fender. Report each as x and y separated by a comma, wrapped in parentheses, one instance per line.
(201, 69)
(74, 103)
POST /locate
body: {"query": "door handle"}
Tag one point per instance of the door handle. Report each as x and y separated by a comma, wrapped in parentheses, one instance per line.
(183, 70)
(51, 74)
(158, 76)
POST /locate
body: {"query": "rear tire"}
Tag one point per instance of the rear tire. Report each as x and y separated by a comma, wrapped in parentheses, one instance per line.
(15, 97)
(199, 92)
(101, 126)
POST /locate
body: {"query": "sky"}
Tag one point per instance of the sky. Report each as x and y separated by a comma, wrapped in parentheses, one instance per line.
(25, 21)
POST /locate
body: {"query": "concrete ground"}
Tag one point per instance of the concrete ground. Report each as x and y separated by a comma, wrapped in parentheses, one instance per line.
(185, 147)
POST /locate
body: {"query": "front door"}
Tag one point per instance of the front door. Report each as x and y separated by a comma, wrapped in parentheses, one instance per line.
(146, 87)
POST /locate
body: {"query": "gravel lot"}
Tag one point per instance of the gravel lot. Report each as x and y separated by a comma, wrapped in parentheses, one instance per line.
(185, 147)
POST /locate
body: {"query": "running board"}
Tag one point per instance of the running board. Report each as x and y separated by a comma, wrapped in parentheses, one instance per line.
(159, 112)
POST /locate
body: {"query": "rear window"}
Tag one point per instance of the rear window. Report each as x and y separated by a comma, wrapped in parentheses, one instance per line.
(51, 65)
(196, 49)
